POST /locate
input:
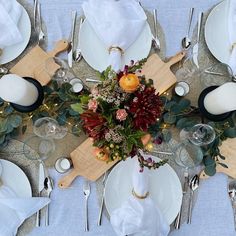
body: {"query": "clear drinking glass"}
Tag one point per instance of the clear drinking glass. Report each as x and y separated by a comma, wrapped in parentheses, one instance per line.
(42, 146)
(62, 74)
(47, 127)
(189, 153)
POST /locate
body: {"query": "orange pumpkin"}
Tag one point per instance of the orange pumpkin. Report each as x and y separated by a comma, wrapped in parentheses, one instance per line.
(129, 83)
(146, 139)
(101, 154)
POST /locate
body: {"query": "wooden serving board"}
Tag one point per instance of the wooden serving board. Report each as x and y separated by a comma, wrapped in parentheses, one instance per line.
(160, 72)
(228, 150)
(85, 164)
(33, 64)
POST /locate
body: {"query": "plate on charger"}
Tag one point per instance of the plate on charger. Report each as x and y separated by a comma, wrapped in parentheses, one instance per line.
(216, 32)
(96, 54)
(13, 177)
(11, 52)
(165, 188)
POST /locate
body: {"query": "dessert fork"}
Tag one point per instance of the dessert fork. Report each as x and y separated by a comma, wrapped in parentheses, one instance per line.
(86, 190)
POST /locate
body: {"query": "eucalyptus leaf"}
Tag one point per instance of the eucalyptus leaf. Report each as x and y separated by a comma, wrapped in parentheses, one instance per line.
(210, 170)
(169, 105)
(2, 139)
(230, 132)
(15, 120)
(169, 118)
(8, 110)
(77, 107)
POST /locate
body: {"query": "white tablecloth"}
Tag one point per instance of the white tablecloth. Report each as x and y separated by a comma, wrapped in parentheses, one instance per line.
(173, 17)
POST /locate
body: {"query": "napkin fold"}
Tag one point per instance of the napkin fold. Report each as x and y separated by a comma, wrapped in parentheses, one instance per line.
(10, 13)
(14, 210)
(117, 23)
(139, 217)
(232, 33)
(212, 213)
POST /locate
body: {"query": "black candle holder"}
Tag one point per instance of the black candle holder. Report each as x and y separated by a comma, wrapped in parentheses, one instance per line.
(203, 110)
(39, 101)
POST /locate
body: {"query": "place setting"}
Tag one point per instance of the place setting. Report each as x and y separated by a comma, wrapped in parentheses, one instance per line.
(101, 134)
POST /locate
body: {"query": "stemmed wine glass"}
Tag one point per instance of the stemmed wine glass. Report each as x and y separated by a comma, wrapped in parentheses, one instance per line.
(188, 153)
(47, 127)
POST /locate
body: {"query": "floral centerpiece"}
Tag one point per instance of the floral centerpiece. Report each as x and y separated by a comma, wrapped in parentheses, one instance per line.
(118, 114)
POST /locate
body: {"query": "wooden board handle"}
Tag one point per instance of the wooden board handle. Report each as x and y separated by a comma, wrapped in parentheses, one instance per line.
(178, 57)
(60, 46)
(67, 180)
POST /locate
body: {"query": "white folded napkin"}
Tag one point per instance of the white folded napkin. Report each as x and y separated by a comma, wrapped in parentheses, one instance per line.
(14, 210)
(117, 23)
(10, 13)
(232, 33)
(212, 213)
(139, 217)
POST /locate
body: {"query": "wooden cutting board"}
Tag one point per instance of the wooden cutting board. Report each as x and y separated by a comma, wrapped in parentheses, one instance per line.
(160, 72)
(85, 164)
(228, 150)
(33, 64)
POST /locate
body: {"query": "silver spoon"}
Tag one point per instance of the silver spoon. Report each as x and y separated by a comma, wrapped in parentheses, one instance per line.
(77, 55)
(3, 70)
(186, 41)
(193, 184)
(232, 195)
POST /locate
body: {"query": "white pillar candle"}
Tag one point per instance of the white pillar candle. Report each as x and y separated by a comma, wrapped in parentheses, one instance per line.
(17, 90)
(222, 99)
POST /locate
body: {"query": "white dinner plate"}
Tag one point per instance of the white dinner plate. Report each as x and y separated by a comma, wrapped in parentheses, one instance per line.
(216, 32)
(13, 177)
(11, 52)
(165, 188)
(96, 54)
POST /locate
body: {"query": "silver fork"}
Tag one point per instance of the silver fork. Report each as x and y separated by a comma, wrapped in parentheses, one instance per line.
(102, 201)
(155, 41)
(86, 190)
(41, 36)
(48, 187)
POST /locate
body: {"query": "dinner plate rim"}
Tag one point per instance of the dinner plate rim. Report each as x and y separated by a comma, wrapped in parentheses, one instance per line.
(28, 189)
(22, 45)
(211, 14)
(98, 68)
(172, 173)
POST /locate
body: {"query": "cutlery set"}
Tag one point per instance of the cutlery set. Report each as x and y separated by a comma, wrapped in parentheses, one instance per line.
(45, 187)
(193, 185)
(86, 191)
(186, 41)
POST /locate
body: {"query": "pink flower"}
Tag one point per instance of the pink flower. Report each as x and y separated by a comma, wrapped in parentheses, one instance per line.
(121, 114)
(93, 105)
(94, 91)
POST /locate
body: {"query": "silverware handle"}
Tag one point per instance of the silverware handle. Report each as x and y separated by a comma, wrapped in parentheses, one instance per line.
(185, 188)
(234, 211)
(199, 26)
(100, 212)
(35, 12)
(86, 215)
(47, 216)
(190, 20)
(38, 215)
(155, 22)
(190, 207)
(80, 24)
(177, 220)
(93, 80)
(39, 15)
(73, 15)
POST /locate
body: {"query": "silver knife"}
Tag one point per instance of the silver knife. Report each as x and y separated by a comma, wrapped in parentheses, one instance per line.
(71, 39)
(185, 189)
(40, 188)
(196, 46)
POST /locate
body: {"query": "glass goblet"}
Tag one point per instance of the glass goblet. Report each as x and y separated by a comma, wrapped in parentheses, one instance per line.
(42, 146)
(47, 127)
